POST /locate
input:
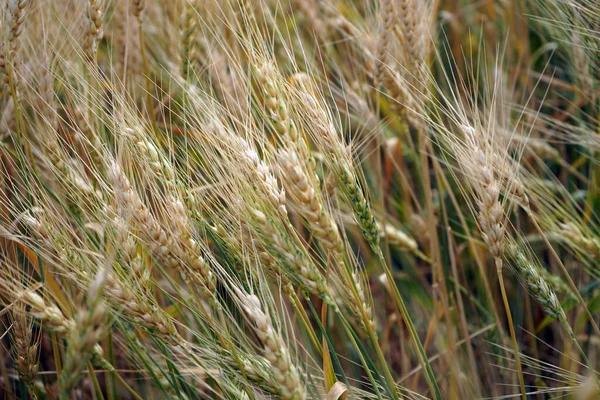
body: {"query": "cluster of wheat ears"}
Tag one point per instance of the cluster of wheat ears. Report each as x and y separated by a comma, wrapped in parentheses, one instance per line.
(299, 199)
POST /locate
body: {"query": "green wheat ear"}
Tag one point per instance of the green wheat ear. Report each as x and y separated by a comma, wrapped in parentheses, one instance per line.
(362, 210)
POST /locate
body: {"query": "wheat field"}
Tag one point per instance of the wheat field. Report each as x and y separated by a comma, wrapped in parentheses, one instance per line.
(300, 199)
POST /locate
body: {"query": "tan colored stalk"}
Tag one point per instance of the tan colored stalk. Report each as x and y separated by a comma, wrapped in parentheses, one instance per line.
(275, 350)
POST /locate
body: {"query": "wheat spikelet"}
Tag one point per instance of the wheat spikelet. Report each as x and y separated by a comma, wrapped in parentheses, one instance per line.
(487, 192)
(405, 103)
(582, 67)
(504, 170)
(49, 315)
(398, 238)
(408, 15)
(364, 300)
(382, 55)
(188, 38)
(4, 80)
(17, 10)
(278, 111)
(309, 202)
(26, 352)
(573, 234)
(137, 7)
(477, 164)
(325, 135)
(310, 278)
(188, 261)
(154, 159)
(128, 251)
(542, 149)
(181, 243)
(83, 339)
(85, 134)
(541, 291)
(362, 209)
(267, 181)
(95, 30)
(140, 312)
(126, 32)
(275, 350)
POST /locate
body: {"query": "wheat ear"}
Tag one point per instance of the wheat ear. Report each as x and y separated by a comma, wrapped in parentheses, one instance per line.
(26, 357)
(188, 261)
(543, 293)
(95, 31)
(17, 10)
(491, 223)
(308, 275)
(275, 350)
(90, 325)
(573, 234)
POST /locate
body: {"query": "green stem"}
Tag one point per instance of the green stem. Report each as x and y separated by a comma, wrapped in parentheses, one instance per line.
(429, 374)
(511, 328)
